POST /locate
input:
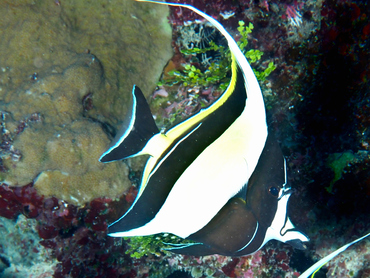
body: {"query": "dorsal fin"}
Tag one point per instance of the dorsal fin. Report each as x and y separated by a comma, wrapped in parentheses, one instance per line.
(133, 136)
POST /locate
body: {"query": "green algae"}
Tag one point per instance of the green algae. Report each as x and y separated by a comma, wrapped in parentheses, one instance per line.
(338, 162)
(217, 73)
(52, 57)
(152, 245)
(187, 83)
(196, 271)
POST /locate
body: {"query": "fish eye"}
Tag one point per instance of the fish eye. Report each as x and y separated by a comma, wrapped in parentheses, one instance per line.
(274, 191)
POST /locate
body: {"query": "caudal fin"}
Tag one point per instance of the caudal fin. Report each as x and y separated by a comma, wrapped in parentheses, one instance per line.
(133, 136)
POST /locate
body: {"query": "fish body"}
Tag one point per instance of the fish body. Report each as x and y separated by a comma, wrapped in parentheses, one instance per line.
(218, 178)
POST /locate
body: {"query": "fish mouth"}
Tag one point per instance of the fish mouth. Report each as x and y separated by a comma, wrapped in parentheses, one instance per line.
(285, 191)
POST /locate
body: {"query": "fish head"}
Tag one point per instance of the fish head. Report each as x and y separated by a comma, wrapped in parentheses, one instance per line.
(268, 183)
(268, 196)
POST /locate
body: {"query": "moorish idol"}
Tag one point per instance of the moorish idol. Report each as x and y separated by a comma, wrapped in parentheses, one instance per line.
(217, 178)
(316, 267)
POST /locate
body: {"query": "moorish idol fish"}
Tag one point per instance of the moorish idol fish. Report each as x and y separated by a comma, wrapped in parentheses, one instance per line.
(217, 178)
(316, 267)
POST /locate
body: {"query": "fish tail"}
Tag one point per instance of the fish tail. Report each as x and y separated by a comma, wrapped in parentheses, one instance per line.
(132, 139)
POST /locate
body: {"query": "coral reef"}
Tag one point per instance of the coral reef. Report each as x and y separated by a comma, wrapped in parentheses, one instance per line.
(57, 104)
(75, 239)
(62, 148)
(19, 246)
(318, 105)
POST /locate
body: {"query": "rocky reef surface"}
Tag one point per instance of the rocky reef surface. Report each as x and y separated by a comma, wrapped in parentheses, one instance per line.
(67, 70)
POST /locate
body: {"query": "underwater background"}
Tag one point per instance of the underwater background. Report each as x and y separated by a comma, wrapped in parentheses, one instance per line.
(66, 73)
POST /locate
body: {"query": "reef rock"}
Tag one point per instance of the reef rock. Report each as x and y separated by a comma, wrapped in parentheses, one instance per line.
(66, 74)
